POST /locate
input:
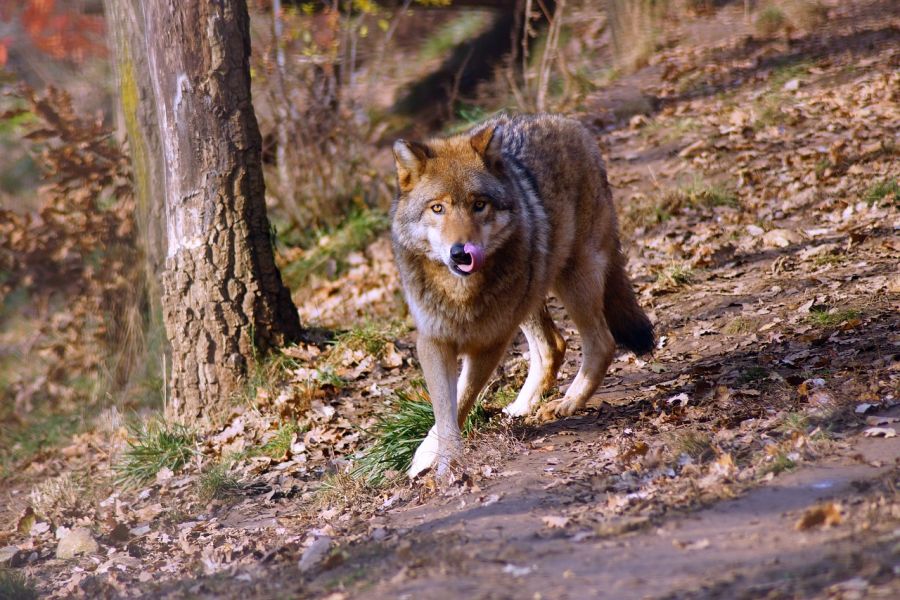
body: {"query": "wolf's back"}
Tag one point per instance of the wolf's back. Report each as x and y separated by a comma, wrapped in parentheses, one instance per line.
(554, 149)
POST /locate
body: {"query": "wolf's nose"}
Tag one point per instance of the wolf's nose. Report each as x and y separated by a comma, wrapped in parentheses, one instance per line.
(459, 255)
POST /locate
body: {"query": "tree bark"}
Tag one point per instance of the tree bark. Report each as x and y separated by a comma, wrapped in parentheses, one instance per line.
(223, 300)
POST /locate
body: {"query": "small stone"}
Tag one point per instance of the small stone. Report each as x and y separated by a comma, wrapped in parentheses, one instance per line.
(7, 553)
(315, 554)
(755, 230)
(77, 541)
(780, 238)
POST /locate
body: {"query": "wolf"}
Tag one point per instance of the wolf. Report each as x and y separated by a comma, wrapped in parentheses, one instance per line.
(486, 224)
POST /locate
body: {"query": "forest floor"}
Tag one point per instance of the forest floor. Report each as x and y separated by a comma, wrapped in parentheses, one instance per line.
(755, 454)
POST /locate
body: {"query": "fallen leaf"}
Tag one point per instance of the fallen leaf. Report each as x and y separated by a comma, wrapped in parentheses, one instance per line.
(492, 499)
(516, 571)
(823, 515)
(554, 522)
(886, 432)
(780, 238)
(878, 420)
(74, 542)
(315, 553)
(695, 545)
(391, 358)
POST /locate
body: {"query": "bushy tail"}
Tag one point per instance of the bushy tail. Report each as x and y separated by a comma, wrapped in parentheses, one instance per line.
(627, 321)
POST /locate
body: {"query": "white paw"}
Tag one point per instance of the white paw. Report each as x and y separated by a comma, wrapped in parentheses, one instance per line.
(525, 402)
(519, 408)
(426, 454)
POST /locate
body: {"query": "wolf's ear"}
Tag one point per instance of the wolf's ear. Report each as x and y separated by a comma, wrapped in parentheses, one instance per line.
(486, 142)
(410, 158)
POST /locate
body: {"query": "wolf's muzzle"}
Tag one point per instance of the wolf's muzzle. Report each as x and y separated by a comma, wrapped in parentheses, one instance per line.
(459, 255)
(466, 258)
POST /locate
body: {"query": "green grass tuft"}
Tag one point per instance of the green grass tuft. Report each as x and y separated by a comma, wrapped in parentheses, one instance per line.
(372, 337)
(670, 130)
(152, 447)
(16, 586)
(829, 260)
(752, 374)
(675, 275)
(825, 318)
(504, 396)
(700, 194)
(780, 463)
(40, 432)
(343, 489)
(218, 484)
(695, 444)
(280, 443)
(740, 326)
(268, 372)
(885, 189)
(794, 422)
(399, 432)
(788, 71)
(770, 21)
(326, 375)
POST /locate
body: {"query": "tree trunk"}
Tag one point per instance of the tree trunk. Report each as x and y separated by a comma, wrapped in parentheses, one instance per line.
(222, 295)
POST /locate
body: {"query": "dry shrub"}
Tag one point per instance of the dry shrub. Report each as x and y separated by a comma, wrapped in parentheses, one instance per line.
(541, 64)
(775, 18)
(806, 14)
(770, 21)
(320, 135)
(75, 259)
(698, 7)
(635, 29)
(60, 498)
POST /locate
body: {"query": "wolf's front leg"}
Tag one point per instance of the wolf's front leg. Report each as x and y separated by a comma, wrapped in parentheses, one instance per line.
(444, 442)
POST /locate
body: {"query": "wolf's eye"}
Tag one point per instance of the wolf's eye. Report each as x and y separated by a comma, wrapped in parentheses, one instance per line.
(437, 208)
(479, 205)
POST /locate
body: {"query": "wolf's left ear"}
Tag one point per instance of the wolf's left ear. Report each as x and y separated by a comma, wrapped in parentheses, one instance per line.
(486, 142)
(410, 158)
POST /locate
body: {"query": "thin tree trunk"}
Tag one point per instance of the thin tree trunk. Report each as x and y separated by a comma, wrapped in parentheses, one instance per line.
(138, 115)
(222, 295)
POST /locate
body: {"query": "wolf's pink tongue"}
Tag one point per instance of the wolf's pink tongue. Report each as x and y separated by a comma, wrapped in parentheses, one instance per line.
(477, 254)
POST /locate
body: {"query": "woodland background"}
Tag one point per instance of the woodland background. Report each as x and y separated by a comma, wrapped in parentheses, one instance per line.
(753, 150)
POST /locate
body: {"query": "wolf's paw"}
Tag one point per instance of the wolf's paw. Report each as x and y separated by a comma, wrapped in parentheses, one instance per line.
(567, 407)
(425, 456)
(518, 409)
(563, 407)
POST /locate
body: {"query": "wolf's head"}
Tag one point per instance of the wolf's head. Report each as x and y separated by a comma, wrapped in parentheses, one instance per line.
(453, 205)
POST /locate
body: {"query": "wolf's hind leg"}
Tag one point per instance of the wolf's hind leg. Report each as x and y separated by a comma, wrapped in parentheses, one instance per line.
(477, 368)
(581, 291)
(546, 350)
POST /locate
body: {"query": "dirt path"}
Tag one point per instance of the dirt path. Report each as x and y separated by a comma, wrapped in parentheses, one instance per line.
(494, 543)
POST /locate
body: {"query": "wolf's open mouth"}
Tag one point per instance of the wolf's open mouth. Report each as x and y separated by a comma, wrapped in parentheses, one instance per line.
(456, 270)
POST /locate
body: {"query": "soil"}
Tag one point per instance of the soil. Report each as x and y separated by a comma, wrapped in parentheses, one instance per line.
(743, 459)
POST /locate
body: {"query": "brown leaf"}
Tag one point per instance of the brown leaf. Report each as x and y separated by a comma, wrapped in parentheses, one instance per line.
(886, 432)
(555, 522)
(823, 515)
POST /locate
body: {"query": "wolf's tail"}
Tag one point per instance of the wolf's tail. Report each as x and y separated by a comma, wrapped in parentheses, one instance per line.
(627, 321)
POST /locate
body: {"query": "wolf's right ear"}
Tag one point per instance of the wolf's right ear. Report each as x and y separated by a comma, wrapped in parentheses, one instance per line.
(487, 142)
(410, 158)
